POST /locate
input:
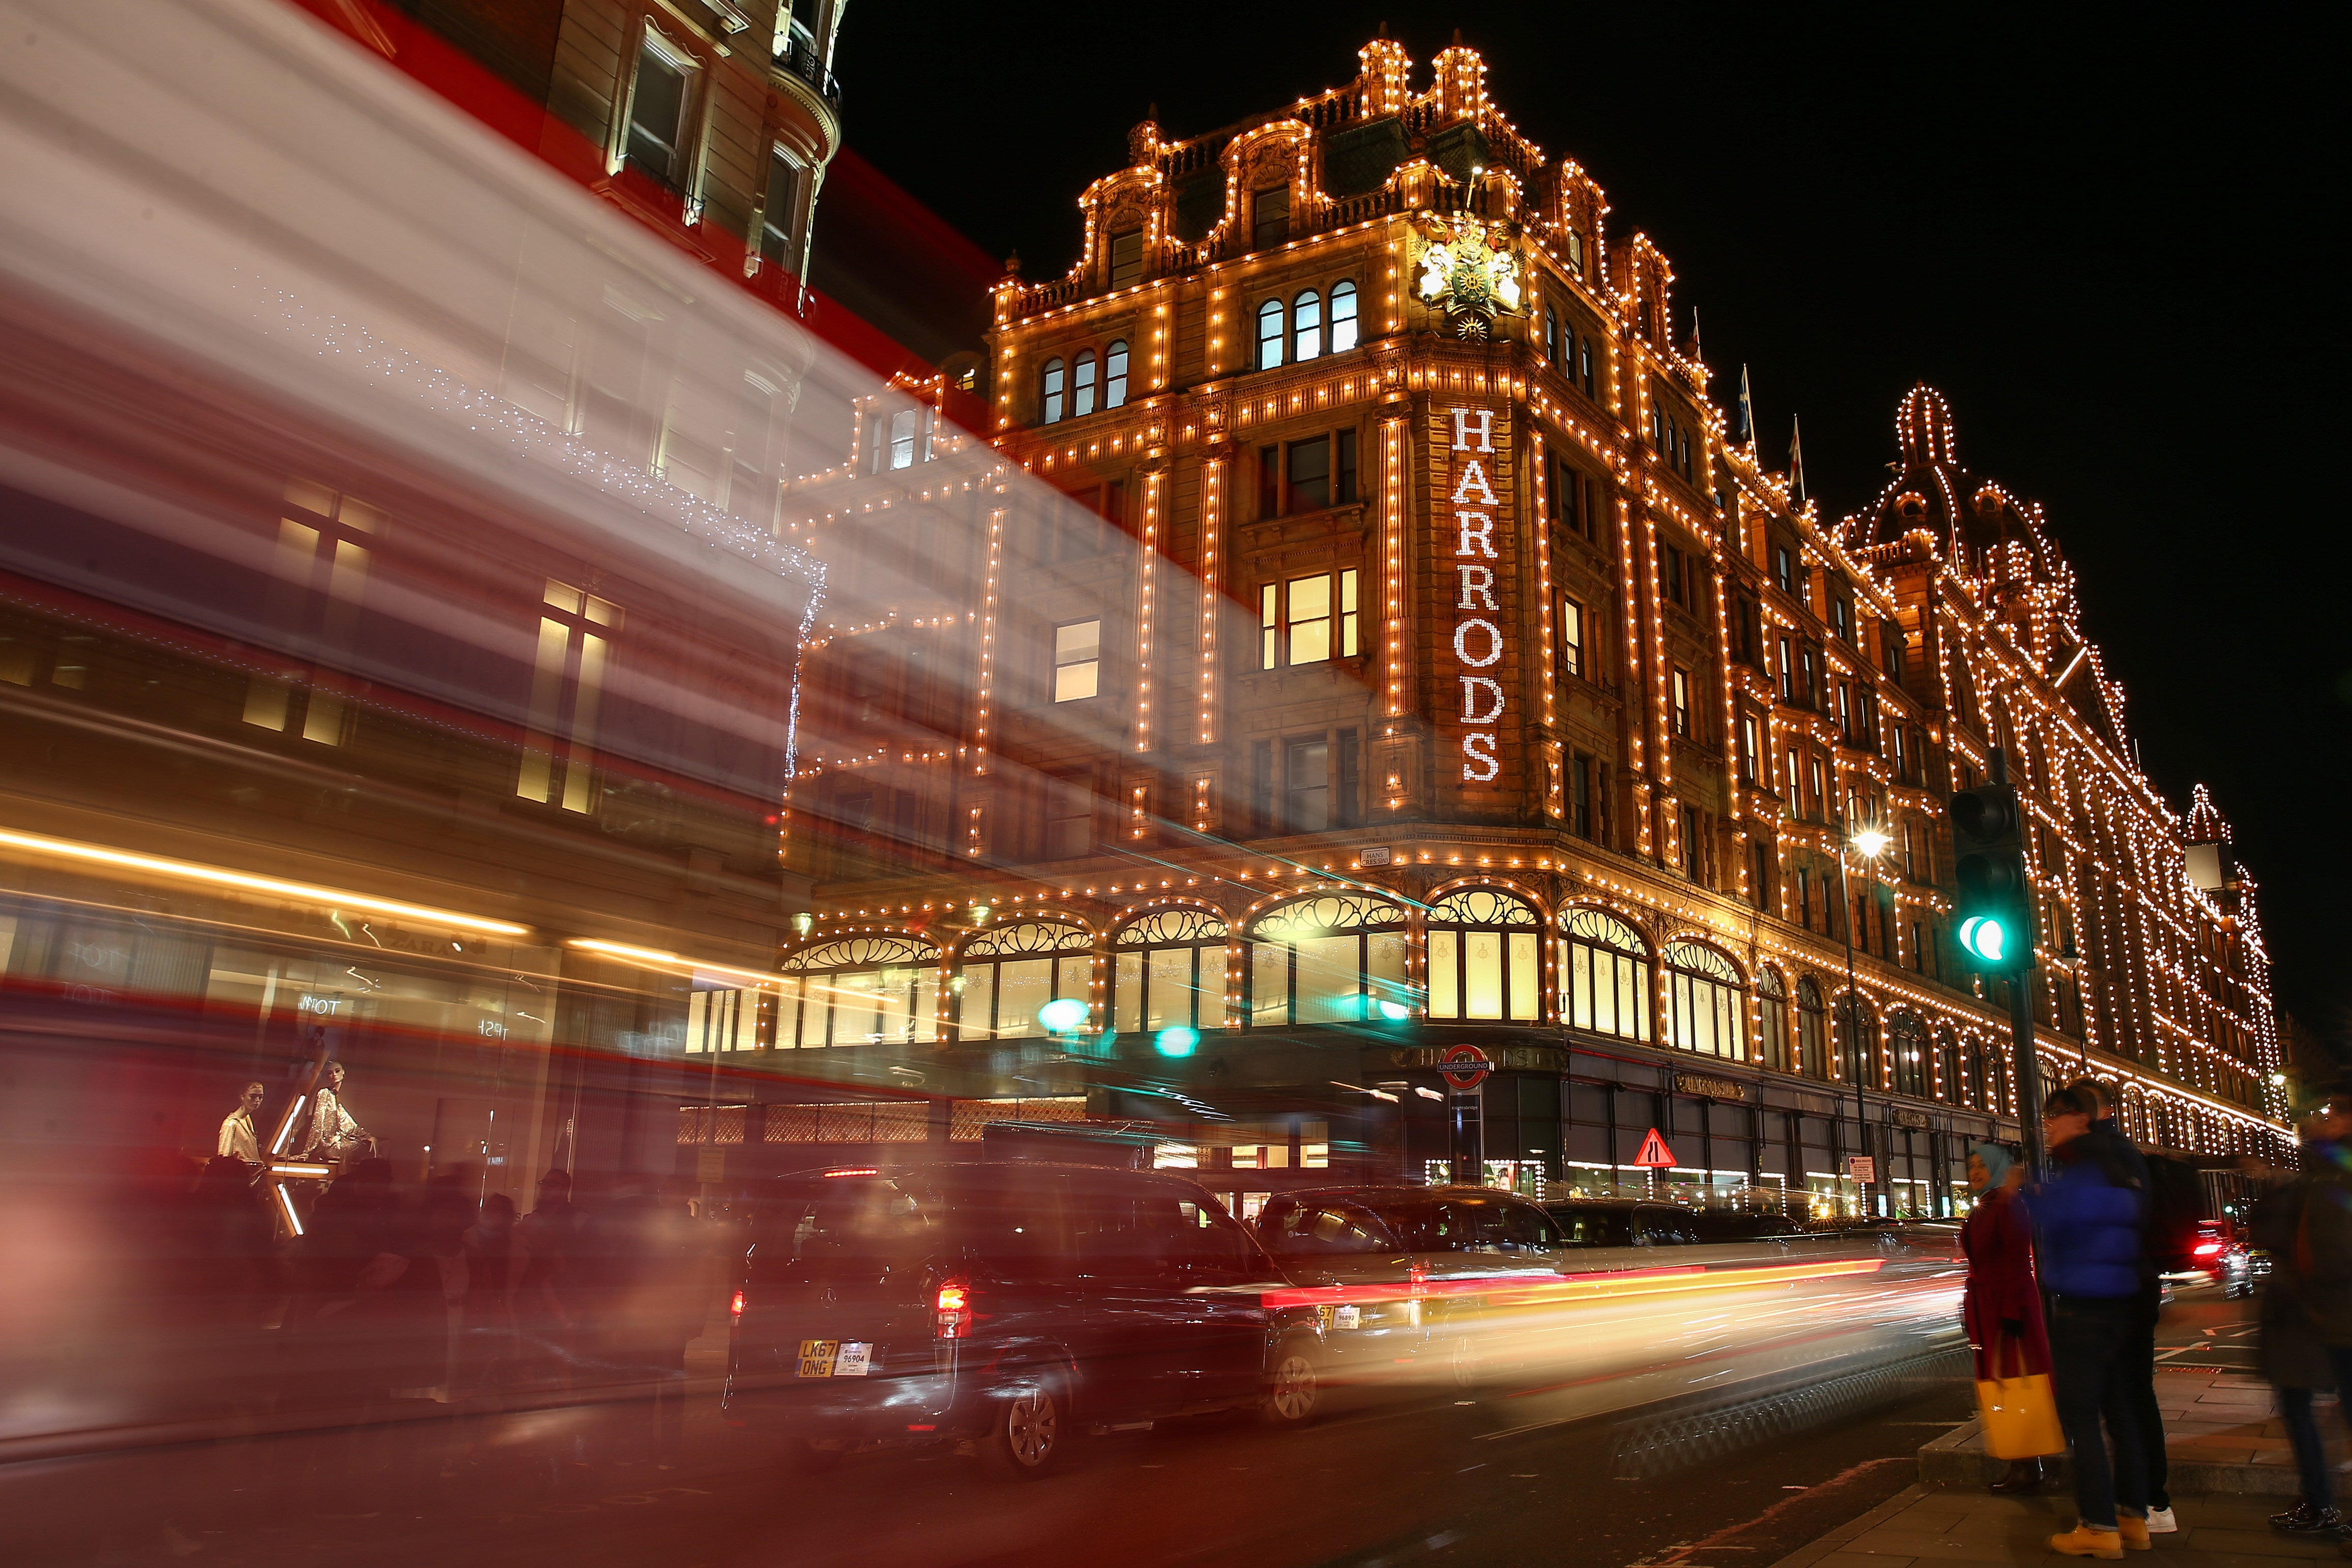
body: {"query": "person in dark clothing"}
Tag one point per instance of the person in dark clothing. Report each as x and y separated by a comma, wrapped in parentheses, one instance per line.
(2088, 1215)
(556, 1301)
(2003, 1308)
(2141, 1372)
(2294, 1357)
(2308, 1228)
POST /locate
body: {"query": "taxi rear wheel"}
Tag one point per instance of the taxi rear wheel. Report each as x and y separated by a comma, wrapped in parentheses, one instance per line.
(1028, 1431)
(1294, 1388)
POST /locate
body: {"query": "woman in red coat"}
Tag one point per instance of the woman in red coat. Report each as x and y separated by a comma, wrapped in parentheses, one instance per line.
(2003, 1306)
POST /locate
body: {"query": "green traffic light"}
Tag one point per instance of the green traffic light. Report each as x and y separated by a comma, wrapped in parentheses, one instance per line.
(1983, 936)
(1177, 1041)
(1063, 1015)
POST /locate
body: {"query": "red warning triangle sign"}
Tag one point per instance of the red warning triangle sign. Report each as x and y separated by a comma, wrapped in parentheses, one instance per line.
(1654, 1153)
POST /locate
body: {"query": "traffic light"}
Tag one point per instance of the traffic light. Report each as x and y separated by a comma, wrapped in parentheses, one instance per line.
(1995, 907)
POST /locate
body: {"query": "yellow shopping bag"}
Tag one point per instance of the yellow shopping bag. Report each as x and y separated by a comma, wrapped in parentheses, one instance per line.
(2020, 1417)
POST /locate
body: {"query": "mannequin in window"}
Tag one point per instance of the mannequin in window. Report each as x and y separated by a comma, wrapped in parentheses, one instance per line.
(237, 1139)
(333, 1134)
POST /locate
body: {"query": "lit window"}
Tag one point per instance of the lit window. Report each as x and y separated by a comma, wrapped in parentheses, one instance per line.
(1788, 674)
(1077, 660)
(1307, 325)
(902, 437)
(1269, 334)
(1682, 703)
(1704, 1000)
(1772, 1020)
(1008, 975)
(1310, 620)
(1748, 747)
(1168, 970)
(559, 752)
(1050, 393)
(1115, 375)
(1485, 957)
(1343, 317)
(1604, 971)
(1812, 1022)
(654, 143)
(1334, 959)
(1126, 258)
(863, 991)
(1571, 637)
(1082, 384)
(1299, 617)
(1270, 215)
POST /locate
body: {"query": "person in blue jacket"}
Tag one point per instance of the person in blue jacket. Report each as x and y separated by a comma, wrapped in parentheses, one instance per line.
(2089, 1216)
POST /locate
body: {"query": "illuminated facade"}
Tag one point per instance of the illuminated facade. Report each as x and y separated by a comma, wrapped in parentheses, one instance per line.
(1366, 637)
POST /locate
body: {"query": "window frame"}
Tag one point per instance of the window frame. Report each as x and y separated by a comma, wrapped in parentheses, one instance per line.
(1305, 326)
(861, 955)
(1272, 314)
(1457, 918)
(1630, 965)
(1069, 971)
(1083, 372)
(1063, 660)
(1134, 941)
(1114, 372)
(1052, 385)
(1344, 288)
(1277, 621)
(1704, 983)
(1390, 926)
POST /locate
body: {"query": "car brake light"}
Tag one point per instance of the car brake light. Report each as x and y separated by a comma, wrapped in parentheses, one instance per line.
(735, 1308)
(951, 1312)
(2208, 1249)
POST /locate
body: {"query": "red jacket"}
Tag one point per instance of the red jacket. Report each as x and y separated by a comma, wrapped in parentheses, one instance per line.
(1999, 1241)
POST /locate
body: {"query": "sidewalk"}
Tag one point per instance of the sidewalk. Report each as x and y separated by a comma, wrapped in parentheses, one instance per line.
(1965, 1527)
(2221, 1431)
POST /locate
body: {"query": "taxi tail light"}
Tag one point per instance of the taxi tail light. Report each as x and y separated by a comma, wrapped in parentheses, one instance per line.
(2208, 1249)
(951, 1311)
(735, 1308)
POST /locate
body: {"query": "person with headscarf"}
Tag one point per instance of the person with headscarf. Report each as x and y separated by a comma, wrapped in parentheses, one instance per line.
(2003, 1308)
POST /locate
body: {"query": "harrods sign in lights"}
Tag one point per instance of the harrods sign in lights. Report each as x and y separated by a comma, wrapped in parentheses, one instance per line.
(1471, 442)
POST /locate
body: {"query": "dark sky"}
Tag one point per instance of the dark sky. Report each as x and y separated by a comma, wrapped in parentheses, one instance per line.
(2099, 233)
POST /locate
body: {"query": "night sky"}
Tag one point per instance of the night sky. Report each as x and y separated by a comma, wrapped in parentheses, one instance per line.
(2105, 245)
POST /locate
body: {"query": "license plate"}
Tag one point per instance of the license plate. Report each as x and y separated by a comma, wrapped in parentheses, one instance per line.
(836, 1358)
(1340, 1317)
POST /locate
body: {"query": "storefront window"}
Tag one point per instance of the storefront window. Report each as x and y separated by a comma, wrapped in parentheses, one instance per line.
(1332, 958)
(1169, 969)
(1008, 975)
(1703, 1002)
(1604, 970)
(863, 991)
(1485, 957)
(1772, 1019)
(1947, 1067)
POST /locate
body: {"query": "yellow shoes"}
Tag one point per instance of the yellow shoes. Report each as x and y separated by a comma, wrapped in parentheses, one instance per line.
(2135, 1532)
(2083, 1542)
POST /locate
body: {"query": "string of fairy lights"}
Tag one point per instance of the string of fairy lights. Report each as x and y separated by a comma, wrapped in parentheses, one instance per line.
(1995, 630)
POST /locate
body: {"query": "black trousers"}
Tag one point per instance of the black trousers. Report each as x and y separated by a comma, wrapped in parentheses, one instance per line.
(2142, 1373)
(2092, 1346)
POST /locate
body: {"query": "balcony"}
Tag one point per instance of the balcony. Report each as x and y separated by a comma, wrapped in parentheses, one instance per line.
(799, 57)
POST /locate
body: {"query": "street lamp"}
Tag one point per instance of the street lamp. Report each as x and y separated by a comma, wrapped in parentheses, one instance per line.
(1870, 843)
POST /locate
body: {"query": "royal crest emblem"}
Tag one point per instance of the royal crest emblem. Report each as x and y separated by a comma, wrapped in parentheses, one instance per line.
(1471, 271)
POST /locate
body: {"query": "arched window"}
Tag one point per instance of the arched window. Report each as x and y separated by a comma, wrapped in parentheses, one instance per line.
(1857, 1051)
(1050, 393)
(1978, 1093)
(1269, 334)
(1812, 1031)
(1337, 958)
(1604, 969)
(1307, 325)
(861, 990)
(1772, 1019)
(1168, 968)
(1486, 957)
(1947, 1067)
(1907, 1041)
(1343, 317)
(1115, 374)
(1082, 384)
(1008, 974)
(1704, 1001)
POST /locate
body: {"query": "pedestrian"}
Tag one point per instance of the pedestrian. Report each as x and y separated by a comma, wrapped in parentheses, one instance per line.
(2140, 1370)
(2307, 1228)
(2088, 1218)
(2292, 1354)
(2003, 1308)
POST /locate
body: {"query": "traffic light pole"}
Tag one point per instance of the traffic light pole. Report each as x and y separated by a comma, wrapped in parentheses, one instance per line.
(2021, 1031)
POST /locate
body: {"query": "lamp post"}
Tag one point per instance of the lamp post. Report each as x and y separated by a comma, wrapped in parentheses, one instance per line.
(1870, 844)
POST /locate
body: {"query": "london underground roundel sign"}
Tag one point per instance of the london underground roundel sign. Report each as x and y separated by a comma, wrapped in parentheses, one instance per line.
(1464, 1066)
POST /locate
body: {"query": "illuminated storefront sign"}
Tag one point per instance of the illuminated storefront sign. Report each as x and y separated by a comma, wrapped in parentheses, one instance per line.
(1476, 517)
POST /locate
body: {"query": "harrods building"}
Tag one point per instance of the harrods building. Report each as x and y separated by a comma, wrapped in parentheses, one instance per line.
(1360, 632)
